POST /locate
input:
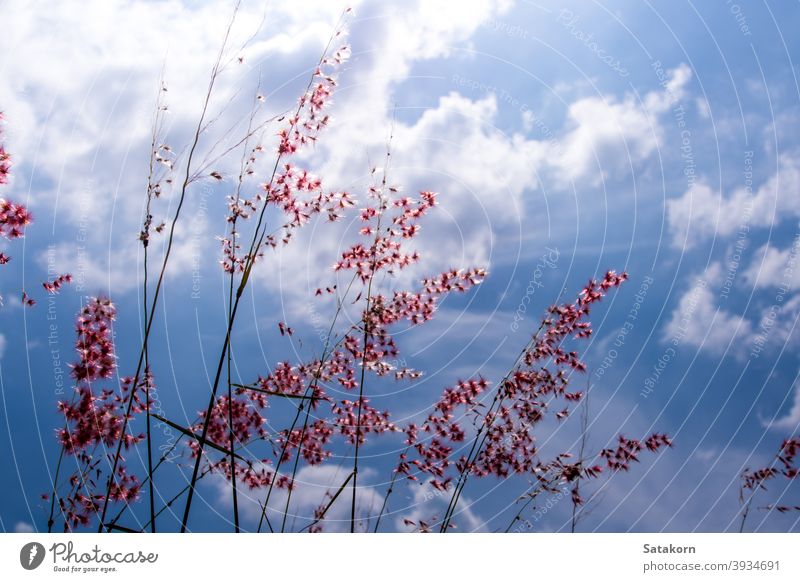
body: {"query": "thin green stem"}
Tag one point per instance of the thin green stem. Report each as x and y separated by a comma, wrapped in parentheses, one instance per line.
(367, 330)
(388, 493)
(256, 243)
(307, 395)
(112, 477)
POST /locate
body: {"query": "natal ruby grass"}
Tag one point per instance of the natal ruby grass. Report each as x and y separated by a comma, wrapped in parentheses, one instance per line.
(785, 464)
(477, 429)
(98, 421)
(224, 438)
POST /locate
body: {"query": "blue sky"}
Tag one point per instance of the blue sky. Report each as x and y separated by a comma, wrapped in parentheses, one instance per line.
(656, 139)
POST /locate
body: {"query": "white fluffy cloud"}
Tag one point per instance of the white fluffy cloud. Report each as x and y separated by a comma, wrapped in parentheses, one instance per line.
(703, 211)
(791, 421)
(80, 99)
(23, 527)
(700, 322)
(429, 505)
(484, 175)
(609, 135)
(772, 267)
(312, 485)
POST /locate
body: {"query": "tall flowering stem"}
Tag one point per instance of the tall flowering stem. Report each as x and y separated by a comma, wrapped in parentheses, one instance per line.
(156, 179)
(287, 381)
(504, 442)
(389, 221)
(282, 190)
(576, 499)
(365, 322)
(785, 464)
(245, 168)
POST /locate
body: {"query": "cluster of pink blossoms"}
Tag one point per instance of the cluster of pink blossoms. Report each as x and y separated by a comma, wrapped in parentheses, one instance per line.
(14, 218)
(442, 430)
(784, 465)
(5, 158)
(239, 416)
(95, 341)
(627, 451)
(305, 126)
(506, 438)
(95, 418)
(367, 345)
(296, 191)
(55, 285)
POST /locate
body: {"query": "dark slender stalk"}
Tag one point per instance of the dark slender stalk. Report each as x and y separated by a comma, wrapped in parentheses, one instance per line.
(518, 516)
(149, 477)
(746, 508)
(531, 495)
(146, 245)
(756, 485)
(581, 453)
(388, 493)
(294, 469)
(50, 520)
(151, 486)
(231, 444)
(205, 472)
(361, 393)
(330, 503)
(477, 445)
(482, 434)
(367, 330)
(177, 496)
(307, 395)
